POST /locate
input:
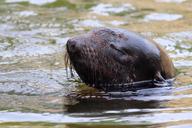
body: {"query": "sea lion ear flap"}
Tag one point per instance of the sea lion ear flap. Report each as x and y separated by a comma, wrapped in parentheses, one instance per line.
(121, 56)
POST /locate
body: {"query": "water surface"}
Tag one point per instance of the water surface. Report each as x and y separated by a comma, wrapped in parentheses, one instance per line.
(33, 80)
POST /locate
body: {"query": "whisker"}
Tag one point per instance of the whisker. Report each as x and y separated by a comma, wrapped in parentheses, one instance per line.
(68, 65)
(71, 70)
(66, 62)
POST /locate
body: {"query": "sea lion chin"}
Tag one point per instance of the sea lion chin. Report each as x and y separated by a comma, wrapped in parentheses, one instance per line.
(112, 56)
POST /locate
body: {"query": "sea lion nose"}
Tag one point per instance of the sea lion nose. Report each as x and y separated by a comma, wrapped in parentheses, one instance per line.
(71, 45)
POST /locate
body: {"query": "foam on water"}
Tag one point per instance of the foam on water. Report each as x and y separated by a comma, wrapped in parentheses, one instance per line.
(171, 1)
(91, 23)
(162, 17)
(26, 13)
(117, 23)
(37, 2)
(106, 9)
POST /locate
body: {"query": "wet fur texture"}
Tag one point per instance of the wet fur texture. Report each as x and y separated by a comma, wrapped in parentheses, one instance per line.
(117, 56)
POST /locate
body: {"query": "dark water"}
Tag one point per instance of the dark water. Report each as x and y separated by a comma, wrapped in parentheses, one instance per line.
(33, 80)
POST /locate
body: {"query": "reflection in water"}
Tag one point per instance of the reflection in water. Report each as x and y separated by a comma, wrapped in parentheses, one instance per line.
(99, 105)
(116, 102)
(146, 106)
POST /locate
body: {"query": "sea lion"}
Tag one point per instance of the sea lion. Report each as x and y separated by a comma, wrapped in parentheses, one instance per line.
(113, 56)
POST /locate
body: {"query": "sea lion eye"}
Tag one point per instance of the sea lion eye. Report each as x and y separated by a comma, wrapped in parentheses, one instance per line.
(117, 49)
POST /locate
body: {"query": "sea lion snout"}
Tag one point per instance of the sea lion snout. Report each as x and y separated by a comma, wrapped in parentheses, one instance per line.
(72, 45)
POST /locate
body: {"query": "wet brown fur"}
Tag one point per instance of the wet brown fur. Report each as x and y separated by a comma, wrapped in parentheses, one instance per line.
(97, 59)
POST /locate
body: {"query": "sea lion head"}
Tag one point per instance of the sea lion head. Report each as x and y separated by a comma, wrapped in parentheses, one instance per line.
(114, 56)
(97, 59)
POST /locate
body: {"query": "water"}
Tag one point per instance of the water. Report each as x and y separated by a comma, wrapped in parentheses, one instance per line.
(33, 80)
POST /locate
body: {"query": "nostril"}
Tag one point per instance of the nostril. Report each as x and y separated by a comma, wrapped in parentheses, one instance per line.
(71, 44)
